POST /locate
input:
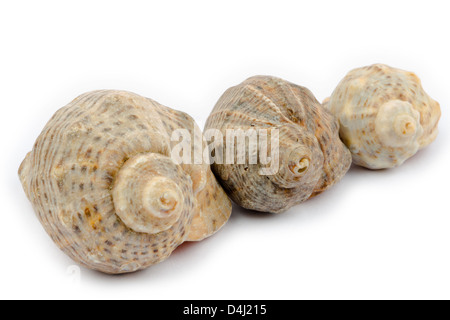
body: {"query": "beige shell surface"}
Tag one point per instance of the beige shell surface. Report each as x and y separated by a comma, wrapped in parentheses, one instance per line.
(385, 115)
(102, 182)
(312, 158)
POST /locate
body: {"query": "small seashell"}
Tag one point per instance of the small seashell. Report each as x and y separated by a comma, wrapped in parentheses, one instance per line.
(311, 156)
(104, 186)
(385, 115)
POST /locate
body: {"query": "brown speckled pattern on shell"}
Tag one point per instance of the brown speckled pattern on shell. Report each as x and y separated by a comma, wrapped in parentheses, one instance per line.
(70, 173)
(269, 102)
(358, 101)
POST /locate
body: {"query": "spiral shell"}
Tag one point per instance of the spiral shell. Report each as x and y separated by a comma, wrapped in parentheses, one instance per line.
(385, 115)
(104, 186)
(311, 156)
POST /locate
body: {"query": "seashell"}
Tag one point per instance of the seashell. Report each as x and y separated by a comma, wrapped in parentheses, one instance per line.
(311, 156)
(385, 115)
(104, 186)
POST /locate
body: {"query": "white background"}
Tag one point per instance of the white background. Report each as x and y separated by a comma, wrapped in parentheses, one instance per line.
(377, 234)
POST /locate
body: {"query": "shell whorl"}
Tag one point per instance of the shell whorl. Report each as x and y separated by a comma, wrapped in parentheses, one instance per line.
(301, 159)
(311, 156)
(148, 193)
(101, 180)
(397, 124)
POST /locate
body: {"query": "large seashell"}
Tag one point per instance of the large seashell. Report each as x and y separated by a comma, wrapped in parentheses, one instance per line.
(104, 186)
(311, 156)
(385, 115)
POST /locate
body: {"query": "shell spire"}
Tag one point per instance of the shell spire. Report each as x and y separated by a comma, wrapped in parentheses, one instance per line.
(149, 193)
(398, 124)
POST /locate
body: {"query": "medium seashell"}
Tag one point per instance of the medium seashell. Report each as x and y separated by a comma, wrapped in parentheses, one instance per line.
(385, 115)
(311, 156)
(102, 182)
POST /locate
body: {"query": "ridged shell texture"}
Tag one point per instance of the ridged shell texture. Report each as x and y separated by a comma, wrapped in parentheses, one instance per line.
(103, 184)
(311, 156)
(385, 115)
